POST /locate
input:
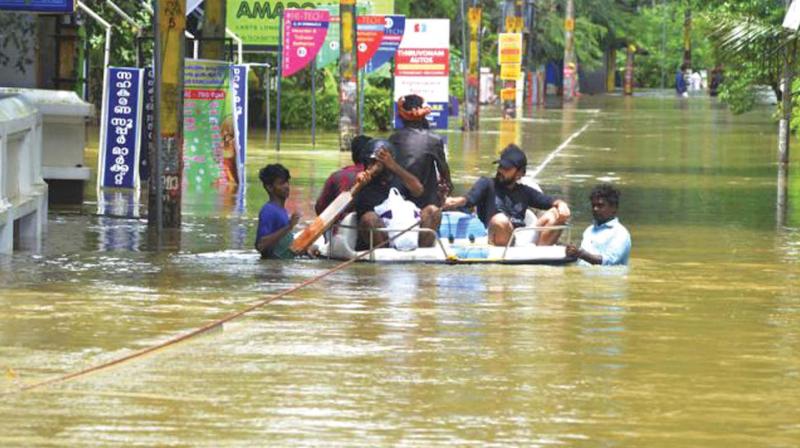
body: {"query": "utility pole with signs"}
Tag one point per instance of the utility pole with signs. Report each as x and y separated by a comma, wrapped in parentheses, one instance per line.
(164, 207)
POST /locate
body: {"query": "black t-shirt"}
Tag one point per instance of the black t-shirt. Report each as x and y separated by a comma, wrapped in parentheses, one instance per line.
(375, 192)
(491, 197)
(421, 152)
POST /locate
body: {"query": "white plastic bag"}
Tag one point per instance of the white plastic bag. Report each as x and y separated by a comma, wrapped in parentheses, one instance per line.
(399, 214)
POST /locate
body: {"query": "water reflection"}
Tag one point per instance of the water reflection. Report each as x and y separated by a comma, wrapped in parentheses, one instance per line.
(699, 334)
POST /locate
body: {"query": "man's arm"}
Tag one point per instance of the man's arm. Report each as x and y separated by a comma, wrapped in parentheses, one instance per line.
(268, 242)
(590, 258)
(411, 182)
(472, 198)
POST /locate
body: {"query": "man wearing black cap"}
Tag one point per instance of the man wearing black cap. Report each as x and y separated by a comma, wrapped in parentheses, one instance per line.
(503, 201)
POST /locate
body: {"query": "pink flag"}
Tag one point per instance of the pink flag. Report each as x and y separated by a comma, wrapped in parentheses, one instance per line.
(304, 33)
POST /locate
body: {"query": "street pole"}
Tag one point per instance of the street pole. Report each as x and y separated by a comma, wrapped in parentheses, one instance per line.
(570, 77)
(687, 36)
(164, 210)
(472, 80)
(348, 75)
(212, 44)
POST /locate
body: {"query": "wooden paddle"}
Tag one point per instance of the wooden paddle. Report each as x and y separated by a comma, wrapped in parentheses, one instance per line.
(328, 216)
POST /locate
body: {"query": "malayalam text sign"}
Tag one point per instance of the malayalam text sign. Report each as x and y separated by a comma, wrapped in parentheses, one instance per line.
(121, 133)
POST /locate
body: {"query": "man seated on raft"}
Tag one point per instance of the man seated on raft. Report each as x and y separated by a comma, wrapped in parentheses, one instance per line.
(390, 175)
(343, 179)
(503, 201)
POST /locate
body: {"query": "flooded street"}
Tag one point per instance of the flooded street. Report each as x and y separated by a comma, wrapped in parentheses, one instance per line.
(697, 343)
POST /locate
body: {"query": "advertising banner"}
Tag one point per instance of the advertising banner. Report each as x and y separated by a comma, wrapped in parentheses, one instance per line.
(369, 34)
(304, 33)
(210, 153)
(509, 48)
(239, 84)
(510, 72)
(393, 28)
(329, 52)
(422, 66)
(119, 131)
(42, 6)
(148, 123)
(256, 21)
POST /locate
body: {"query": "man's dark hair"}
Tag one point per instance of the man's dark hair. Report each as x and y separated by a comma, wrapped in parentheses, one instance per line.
(270, 173)
(357, 146)
(684, 67)
(607, 192)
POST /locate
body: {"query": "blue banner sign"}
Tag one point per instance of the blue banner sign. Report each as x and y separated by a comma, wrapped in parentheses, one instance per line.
(43, 6)
(120, 133)
(239, 84)
(148, 124)
(393, 29)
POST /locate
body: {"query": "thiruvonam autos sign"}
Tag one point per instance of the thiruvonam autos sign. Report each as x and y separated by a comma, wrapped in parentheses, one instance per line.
(422, 67)
(256, 21)
(40, 6)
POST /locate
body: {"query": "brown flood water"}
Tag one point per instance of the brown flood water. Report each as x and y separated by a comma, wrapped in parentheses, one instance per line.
(697, 343)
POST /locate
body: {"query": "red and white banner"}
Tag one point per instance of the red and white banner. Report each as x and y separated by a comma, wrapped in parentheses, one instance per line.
(369, 34)
(422, 66)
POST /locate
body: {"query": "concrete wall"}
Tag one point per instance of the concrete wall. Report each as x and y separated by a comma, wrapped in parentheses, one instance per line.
(23, 193)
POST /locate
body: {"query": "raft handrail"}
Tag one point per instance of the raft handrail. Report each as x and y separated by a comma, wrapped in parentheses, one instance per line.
(513, 238)
(419, 230)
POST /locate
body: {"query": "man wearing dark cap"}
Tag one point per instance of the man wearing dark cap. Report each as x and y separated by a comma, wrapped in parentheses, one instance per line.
(503, 201)
(344, 179)
(421, 152)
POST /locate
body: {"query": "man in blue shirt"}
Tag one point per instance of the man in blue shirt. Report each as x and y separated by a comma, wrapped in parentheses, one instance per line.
(274, 235)
(606, 241)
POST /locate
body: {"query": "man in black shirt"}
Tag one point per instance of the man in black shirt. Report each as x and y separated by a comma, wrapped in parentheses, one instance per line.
(503, 201)
(391, 175)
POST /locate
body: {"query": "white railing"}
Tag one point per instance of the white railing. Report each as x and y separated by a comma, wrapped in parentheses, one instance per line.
(23, 192)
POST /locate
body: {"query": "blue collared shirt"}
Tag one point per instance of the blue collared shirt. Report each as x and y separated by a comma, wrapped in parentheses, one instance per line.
(610, 240)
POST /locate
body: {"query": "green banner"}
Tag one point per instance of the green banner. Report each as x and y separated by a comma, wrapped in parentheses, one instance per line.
(329, 53)
(256, 21)
(208, 126)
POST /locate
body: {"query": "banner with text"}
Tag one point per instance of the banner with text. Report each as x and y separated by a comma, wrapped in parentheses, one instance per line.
(369, 34)
(422, 67)
(256, 21)
(119, 129)
(304, 33)
(329, 53)
(393, 29)
(239, 84)
(210, 143)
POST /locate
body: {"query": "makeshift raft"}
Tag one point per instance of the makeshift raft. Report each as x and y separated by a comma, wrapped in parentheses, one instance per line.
(461, 239)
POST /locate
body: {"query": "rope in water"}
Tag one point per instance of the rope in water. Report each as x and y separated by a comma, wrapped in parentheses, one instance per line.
(205, 328)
